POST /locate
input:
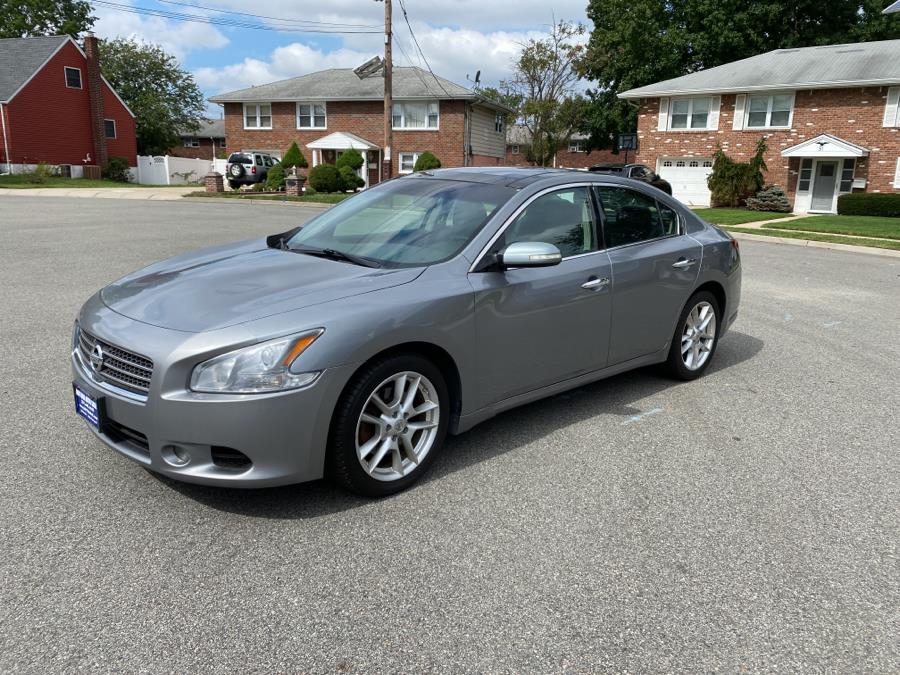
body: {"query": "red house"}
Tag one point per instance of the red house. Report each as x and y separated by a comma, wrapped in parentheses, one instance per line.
(56, 108)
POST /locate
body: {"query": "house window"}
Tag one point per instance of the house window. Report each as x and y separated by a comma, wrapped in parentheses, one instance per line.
(73, 78)
(416, 115)
(805, 175)
(109, 128)
(408, 161)
(897, 175)
(689, 113)
(514, 149)
(192, 142)
(680, 162)
(222, 143)
(311, 116)
(707, 163)
(694, 164)
(575, 146)
(847, 175)
(668, 162)
(257, 115)
(498, 123)
(770, 111)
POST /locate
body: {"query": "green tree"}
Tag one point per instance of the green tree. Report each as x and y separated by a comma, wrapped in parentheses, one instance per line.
(30, 18)
(506, 97)
(638, 42)
(544, 78)
(164, 98)
(294, 157)
(426, 162)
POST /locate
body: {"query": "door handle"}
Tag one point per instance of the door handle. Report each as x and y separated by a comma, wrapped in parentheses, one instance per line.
(684, 263)
(595, 284)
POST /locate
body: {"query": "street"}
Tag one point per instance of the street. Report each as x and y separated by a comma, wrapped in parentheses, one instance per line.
(744, 521)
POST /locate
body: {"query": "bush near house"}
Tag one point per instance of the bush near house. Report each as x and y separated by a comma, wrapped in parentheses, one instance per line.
(293, 157)
(731, 183)
(869, 204)
(426, 162)
(771, 198)
(117, 169)
(326, 178)
(348, 164)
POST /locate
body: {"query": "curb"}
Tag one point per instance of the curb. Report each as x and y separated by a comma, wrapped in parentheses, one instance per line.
(847, 248)
(253, 202)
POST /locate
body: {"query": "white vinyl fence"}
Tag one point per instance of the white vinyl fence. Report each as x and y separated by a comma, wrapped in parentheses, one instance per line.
(168, 170)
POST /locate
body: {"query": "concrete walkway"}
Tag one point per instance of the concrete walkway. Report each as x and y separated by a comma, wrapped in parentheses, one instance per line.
(154, 193)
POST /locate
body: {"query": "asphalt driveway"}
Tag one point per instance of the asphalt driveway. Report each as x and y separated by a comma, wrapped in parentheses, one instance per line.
(745, 521)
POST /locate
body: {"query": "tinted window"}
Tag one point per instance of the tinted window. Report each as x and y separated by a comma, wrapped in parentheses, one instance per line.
(259, 161)
(406, 222)
(564, 219)
(239, 158)
(630, 217)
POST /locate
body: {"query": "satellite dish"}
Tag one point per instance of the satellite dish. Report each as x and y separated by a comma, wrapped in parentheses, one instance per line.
(478, 77)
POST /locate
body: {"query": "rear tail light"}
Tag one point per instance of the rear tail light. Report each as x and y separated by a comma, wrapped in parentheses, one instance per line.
(735, 245)
(253, 170)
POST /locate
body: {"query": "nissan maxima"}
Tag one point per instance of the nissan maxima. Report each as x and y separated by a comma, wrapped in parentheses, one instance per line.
(352, 346)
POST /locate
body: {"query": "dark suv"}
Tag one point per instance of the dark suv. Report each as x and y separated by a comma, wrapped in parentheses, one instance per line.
(246, 168)
(635, 171)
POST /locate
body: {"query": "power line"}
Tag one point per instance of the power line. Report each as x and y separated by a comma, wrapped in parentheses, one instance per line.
(424, 58)
(230, 23)
(273, 18)
(417, 71)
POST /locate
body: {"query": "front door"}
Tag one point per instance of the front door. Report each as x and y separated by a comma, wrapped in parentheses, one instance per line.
(823, 187)
(538, 326)
(654, 269)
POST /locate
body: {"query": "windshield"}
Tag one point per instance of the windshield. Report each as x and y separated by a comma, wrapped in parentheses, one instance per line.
(407, 222)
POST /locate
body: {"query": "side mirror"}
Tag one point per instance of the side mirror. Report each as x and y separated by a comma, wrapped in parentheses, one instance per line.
(529, 254)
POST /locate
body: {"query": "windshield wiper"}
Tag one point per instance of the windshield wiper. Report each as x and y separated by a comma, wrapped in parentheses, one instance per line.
(332, 254)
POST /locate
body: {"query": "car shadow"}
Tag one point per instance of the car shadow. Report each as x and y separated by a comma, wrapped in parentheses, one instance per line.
(614, 396)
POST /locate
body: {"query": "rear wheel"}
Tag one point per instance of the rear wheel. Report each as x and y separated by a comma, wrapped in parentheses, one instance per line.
(696, 337)
(389, 424)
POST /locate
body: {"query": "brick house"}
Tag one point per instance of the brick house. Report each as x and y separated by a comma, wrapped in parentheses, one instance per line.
(573, 156)
(56, 108)
(829, 114)
(204, 143)
(330, 111)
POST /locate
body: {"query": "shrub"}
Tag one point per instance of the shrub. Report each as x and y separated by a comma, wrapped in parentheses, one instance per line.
(275, 178)
(426, 162)
(733, 182)
(869, 204)
(350, 158)
(771, 198)
(40, 174)
(293, 157)
(309, 190)
(117, 169)
(326, 178)
(258, 187)
(350, 179)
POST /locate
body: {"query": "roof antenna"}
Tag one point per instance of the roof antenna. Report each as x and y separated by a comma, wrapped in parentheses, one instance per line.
(476, 81)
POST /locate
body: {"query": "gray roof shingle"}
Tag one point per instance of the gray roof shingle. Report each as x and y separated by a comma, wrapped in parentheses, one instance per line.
(825, 67)
(208, 129)
(344, 84)
(20, 58)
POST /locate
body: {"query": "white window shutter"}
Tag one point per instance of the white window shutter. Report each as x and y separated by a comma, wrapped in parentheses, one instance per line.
(663, 123)
(890, 108)
(712, 122)
(739, 102)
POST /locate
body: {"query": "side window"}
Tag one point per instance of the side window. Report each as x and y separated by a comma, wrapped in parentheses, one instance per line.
(564, 219)
(630, 217)
(258, 160)
(268, 160)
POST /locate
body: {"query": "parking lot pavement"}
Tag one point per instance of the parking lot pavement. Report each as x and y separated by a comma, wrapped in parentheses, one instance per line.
(745, 521)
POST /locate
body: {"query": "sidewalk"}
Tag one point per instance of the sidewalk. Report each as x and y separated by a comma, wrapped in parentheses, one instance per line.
(161, 193)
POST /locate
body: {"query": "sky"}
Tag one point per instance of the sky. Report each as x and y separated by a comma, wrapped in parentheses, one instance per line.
(458, 37)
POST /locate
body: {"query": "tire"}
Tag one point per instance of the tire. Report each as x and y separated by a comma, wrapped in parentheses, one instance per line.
(383, 429)
(700, 349)
(236, 170)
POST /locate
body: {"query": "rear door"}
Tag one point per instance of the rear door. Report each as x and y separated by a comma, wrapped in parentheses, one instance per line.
(654, 270)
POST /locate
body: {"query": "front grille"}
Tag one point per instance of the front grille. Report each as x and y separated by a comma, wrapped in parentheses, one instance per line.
(119, 433)
(119, 367)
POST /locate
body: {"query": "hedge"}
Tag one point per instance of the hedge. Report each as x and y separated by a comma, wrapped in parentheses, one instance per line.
(426, 162)
(869, 204)
(326, 178)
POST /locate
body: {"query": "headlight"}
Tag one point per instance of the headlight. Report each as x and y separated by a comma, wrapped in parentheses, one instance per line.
(258, 369)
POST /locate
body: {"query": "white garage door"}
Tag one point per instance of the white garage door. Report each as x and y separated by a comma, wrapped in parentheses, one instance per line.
(688, 178)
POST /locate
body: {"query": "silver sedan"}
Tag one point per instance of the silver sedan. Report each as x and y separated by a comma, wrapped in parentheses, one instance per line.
(351, 347)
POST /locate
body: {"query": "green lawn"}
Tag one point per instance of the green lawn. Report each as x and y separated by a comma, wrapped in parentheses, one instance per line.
(319, 198)
(725, 216)
(829, 238)
(18, 181)
(866, 226)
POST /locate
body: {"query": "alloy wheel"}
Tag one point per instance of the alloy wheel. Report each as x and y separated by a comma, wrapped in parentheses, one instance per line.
(698, 335)
(398, 426)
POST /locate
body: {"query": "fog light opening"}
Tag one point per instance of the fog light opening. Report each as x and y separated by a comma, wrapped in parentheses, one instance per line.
(175, 455)
(230, 459)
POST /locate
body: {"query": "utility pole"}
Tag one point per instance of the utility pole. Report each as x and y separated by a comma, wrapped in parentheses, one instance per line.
(388, 94)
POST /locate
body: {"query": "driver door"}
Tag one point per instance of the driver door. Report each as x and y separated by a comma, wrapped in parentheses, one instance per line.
(538, 326)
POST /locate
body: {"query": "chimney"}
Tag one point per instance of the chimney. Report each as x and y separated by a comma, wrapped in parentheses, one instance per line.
(95, 92)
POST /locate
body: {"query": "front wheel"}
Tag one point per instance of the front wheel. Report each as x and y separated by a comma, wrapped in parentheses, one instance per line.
(696, 337)
(388, 426)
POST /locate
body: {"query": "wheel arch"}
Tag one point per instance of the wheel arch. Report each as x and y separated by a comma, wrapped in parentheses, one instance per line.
(718, 292)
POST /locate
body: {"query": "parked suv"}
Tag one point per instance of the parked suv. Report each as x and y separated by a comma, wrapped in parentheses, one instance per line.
(636, 172)
(246, 168)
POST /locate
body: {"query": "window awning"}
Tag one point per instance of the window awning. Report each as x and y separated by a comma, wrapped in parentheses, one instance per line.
(825, 145)
(341, 140)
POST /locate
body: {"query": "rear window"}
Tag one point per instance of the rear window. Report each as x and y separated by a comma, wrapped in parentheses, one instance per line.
(240, 158)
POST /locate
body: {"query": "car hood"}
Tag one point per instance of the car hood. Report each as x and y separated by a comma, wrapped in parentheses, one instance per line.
(226, 285)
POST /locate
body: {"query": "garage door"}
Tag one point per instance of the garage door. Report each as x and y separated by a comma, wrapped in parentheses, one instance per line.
(688, 178)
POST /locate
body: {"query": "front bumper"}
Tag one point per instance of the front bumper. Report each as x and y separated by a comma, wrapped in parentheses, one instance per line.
(283, 435)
